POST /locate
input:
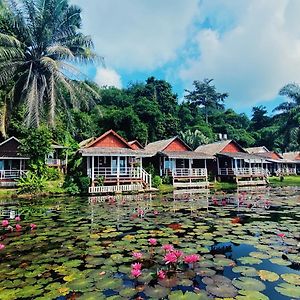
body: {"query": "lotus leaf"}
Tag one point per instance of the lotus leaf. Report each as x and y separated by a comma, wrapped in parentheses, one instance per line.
(92, 296)
(248, 283)
(260, 255)
(248, 260)
(156, 292)
(128, 292)
(72, 263)
(291, 278)
(106, 283)
(179, 295)
(289, 290)
(251, 295)
(80, 285)
(245, 270)
(266, 275)
(280, 261)
(30, 291)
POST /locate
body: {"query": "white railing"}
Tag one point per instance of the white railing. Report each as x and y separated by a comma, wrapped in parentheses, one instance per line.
(122, 173)
(186, 172)
(286, 171)
(134, 172)
(147, 178)
(115, 188)
(55, 162)
(11, 174)
(243, 171)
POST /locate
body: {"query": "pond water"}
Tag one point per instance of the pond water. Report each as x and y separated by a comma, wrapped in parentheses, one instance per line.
(246, 245)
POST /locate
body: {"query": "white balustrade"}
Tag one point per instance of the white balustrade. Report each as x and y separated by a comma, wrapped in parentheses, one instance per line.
(11, 174)
(187, 172)
(243, 171)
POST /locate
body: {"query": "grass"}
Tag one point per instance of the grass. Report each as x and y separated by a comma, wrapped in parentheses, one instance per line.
(166, 188)
(224, 185)
(288, 180)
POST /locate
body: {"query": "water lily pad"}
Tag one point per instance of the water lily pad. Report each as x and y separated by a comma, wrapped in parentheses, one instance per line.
(289, 290)
(80, 285)
(179, 295)
(248, 283)
(106, 283)
(92, 296)
(220, 286)
(128, 292)
(251, 295)
(248, 260)
(245, 271)
(280, 261)
(156, 292)
(291, 278)
(266, 275)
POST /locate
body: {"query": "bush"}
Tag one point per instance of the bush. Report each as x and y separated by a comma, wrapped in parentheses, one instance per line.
(84, 183)
(166, 179)
(52, 173)
(72, 189)
(156, 181)
(31, 183)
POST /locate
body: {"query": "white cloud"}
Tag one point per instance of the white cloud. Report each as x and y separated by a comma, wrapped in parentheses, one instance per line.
(254, 54)
(138, 34)
(108, 77)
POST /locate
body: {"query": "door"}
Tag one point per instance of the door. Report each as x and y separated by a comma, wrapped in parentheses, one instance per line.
(114, 165)
(123, 165)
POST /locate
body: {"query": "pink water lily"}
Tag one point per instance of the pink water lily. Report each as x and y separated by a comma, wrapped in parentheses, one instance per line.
(178, 253)
(167, 247)
(18, 218)
(170, 258)
(5, 223)
(137, 255)
(152, 242)
(161, 274)
(282, 235)
(2, 246)
(33, 226)
(191, 259)
(137, 266)
(155, 212)
(18, 227)
(136, 272)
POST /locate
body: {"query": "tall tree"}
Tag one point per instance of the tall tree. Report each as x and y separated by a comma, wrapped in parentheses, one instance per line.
(39, 41)
(289, 117)
(259, 118)
(205, 95)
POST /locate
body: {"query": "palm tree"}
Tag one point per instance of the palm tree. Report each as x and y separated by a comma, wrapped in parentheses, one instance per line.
(40, 40)
(289, 117)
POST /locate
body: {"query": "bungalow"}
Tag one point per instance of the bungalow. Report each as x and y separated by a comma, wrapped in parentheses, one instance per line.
(276, 163)
(292, 166)
(235, 163)
(114, 165)
(56, 158)
(12, 163)
(174, 158)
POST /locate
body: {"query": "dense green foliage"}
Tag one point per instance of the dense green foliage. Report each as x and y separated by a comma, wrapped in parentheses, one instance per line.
(38, 40)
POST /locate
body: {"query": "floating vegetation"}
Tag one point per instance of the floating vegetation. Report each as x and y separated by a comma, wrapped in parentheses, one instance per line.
(151, 247)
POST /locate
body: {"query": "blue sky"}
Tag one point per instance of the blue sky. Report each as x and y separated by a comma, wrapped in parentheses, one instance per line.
(250, 48)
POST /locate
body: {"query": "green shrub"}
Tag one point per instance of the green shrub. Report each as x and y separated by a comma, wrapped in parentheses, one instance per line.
(156, 181)
(31, 183)
(84, 183)
(52, 173)
(166, 179)
(72, 189)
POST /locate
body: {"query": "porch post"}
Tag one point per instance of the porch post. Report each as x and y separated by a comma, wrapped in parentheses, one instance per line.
(141, 167)
(190, 167)
(205, 167)
(93, 171)
(88, 166)
(218, 166)
(118, 170)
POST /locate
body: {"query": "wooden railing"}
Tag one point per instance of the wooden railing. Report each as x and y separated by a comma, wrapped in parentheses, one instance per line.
(186, 172)
(286, 171)
(122, 173)
(243, 171)
(11, 174)
(115, 188)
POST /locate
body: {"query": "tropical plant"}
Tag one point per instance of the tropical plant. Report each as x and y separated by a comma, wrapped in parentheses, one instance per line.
(289, 117)
(194, 138)
(39, 41)
(31, 183)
